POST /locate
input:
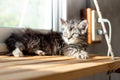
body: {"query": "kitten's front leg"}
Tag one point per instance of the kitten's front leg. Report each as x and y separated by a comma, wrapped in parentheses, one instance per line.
(81, 54)
(17, 53)
(40, 52)
(76, 53)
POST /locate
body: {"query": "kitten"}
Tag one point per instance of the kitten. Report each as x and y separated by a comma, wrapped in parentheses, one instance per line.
(31, 42)
(75, 35)
(71, 42)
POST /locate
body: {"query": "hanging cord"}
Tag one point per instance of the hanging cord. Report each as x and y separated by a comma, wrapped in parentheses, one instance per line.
(104, 29)
(110, 32)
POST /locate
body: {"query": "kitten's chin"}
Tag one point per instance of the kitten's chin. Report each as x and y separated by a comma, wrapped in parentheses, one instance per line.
(74, 41)
(71, 41)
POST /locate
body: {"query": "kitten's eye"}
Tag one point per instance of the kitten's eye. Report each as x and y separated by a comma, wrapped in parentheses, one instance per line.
(70, 28)
(65, 33)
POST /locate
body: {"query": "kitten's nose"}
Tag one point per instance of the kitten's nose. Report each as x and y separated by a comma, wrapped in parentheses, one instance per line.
(76, 31)
(76, 35)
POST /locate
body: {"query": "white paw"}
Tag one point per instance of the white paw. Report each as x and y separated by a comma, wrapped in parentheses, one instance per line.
(81, 54)
(40, 53)
(17, 53)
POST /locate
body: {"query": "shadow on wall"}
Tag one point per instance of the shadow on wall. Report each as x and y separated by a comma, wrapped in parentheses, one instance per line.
(73, 8)
(110, 10)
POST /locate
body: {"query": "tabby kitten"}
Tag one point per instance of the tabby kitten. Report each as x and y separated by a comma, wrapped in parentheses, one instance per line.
(71, 42)
(75, 35)
(31, 42)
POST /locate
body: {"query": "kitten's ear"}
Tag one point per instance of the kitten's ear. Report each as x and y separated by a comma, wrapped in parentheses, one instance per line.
(63, 22)
(83, 24)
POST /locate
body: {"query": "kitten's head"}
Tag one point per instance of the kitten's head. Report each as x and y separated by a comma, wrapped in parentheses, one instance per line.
(74, 31)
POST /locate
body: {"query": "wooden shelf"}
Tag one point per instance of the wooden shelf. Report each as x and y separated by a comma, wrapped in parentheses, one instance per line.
(54, 67)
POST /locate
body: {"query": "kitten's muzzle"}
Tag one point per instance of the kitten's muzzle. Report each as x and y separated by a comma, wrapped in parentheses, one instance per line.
(74, 35)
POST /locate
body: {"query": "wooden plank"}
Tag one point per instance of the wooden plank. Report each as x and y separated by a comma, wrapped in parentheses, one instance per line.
(12, 58)
(1, 56)
(39, 64)
(34, 61)
(37, 60)
(60, 70)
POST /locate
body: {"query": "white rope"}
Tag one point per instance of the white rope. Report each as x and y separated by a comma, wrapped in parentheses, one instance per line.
(104, 29)
(110, 32)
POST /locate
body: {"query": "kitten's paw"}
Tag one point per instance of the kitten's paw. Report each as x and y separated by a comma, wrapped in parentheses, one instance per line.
(82, 54)
(40, 53)
(17, 53)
